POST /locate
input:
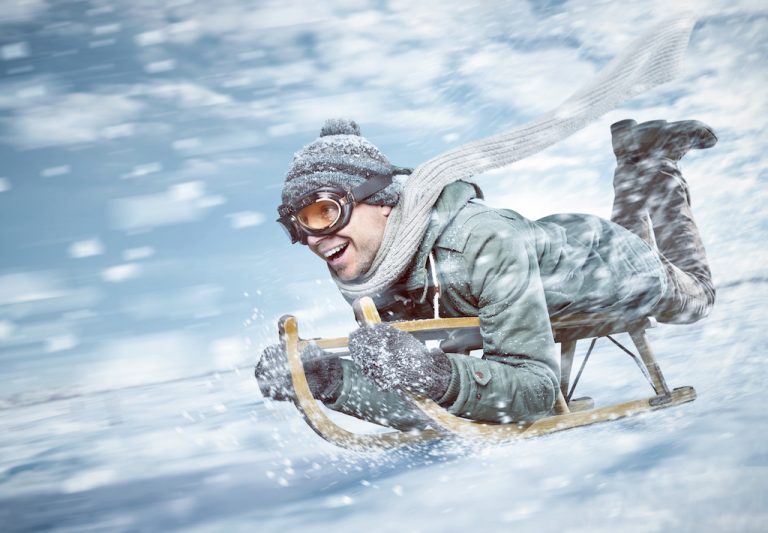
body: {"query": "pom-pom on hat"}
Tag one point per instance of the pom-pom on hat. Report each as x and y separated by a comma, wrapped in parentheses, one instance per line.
(342, 158)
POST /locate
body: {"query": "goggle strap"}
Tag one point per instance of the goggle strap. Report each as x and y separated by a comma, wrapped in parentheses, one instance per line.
(370, 187)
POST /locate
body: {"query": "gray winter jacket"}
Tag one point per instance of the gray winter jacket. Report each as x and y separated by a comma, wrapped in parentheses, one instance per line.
(514, 274)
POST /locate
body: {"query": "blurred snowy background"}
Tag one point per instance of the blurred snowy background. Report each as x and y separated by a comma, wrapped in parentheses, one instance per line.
(142, 149)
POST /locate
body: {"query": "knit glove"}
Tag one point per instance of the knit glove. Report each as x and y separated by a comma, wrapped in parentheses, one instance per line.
(396, 360)
(323, 371)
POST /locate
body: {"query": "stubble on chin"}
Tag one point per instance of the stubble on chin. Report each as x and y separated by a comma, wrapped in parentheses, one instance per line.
(364, 261)
(347, 275)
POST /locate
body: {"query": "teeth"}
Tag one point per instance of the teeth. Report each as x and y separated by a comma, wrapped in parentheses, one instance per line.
(335, 249)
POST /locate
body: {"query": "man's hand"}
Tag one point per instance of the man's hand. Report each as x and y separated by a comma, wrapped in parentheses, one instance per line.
(396, 360)
(323, 371)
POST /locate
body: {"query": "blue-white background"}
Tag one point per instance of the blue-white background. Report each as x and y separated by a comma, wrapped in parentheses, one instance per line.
(142, 149)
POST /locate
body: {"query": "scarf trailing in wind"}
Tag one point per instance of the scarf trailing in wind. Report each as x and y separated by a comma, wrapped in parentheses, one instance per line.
(652, 59)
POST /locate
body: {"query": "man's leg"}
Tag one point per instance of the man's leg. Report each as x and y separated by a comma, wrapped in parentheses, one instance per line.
(650, 188)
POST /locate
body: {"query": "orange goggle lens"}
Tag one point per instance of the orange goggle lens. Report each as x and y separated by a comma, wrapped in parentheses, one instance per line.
(320, 215)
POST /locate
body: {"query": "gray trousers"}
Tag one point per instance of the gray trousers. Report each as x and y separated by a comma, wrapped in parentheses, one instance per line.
(652, 199)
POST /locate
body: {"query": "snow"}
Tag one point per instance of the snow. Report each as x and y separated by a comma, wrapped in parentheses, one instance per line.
(208, 454)
(245, 219)
(14, 51)
(120, 273)
(144, 145)
(86, 248)
(139, 253)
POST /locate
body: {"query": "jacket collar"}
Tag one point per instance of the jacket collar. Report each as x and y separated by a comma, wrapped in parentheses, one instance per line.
(452, 200)
(416, 282)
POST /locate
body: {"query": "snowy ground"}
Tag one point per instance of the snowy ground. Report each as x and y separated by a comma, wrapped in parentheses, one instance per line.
(207, 454)
(143, 146)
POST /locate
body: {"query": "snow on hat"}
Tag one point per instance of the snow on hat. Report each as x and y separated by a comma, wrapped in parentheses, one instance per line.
(340, 157)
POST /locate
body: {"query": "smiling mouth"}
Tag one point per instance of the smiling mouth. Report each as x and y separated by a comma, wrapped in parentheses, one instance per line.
(335, 252)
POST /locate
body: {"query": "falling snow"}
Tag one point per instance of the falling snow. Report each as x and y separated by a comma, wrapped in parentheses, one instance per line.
(143, 147)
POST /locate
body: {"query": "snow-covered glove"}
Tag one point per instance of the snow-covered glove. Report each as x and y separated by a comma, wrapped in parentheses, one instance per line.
(323, 371)
(396, 360)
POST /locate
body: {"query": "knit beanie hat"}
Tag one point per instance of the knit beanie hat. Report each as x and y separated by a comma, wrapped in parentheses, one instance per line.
(341, 158)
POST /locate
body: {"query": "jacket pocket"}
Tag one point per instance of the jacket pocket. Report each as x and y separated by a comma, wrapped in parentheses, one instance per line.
(482, 372)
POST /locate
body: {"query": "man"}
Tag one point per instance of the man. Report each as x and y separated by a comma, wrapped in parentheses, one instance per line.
(513, 273)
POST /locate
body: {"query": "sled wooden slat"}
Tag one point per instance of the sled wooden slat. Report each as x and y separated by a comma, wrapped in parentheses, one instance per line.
(566, 332)
(430, 325)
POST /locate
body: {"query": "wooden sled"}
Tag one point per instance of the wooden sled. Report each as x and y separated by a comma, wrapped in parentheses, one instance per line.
(463, 335)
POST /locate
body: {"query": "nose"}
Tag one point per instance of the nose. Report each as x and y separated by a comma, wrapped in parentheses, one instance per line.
(312, 240)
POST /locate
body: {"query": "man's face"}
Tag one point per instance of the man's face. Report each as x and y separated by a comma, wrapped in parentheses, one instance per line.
(351, 250)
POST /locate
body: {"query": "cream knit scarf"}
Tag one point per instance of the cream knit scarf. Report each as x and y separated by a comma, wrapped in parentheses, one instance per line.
(652, 59)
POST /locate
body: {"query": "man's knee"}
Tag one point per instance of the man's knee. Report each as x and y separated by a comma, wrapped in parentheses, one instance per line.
(687, 308)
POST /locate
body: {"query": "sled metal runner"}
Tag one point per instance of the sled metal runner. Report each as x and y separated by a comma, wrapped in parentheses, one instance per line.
(461, 335)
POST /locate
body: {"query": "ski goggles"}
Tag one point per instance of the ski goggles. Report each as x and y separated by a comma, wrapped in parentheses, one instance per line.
(327, 210)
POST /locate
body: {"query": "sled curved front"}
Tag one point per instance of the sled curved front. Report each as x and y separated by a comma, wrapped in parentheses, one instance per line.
(318, 420)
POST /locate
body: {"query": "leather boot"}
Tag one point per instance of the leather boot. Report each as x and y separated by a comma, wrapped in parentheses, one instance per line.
(652, 200)
(659, 139)
(642, 150)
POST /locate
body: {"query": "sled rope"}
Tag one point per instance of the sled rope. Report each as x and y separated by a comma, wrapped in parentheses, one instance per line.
(652, 59)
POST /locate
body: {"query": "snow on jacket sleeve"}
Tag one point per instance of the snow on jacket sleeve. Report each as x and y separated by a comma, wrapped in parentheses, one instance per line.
(361, 398)
(495, 270)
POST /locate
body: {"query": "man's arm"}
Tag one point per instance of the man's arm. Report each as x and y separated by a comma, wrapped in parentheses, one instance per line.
(361, 398)
(497, 271)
